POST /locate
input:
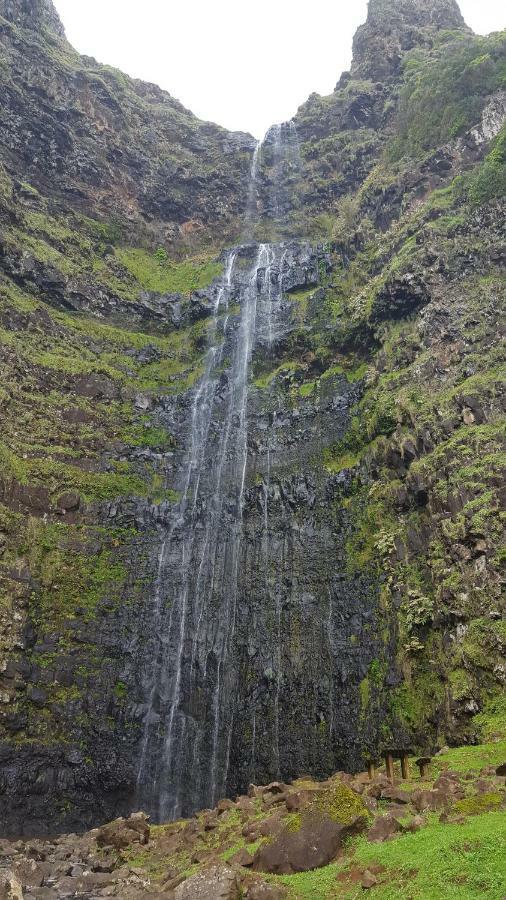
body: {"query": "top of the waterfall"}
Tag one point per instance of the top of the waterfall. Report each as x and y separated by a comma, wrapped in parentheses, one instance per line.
(395, 26)
(33, 14)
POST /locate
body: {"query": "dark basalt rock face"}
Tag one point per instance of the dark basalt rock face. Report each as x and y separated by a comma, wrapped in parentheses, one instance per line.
(244, 660)
(254, 618)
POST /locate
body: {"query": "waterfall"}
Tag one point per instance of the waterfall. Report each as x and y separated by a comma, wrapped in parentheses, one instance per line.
(295, 145)
(278, 168)
(193, 616)
(193, 698)
(252, 201)
(285, 164)
(249, 566)
(164, 685)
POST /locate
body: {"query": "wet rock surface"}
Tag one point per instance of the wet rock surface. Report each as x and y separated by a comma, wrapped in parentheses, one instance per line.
(255, 558)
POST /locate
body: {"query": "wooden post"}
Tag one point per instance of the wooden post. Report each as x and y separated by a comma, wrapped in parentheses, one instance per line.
(371, 770)
(423, 763)
(389, 765)
(405, 766)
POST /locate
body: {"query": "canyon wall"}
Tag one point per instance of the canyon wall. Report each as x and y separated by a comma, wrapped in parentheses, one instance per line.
(251, 423)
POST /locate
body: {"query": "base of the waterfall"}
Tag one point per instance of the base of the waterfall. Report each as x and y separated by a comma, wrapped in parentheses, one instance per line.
(428, 826)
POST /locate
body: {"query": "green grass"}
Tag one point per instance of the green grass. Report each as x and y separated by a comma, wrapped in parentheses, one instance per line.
(488, 181)
(154, 273)
(492, 720)
(351, 375)
(444, 95)
(58, 477)
(286, 368)
(315, 885)
(439, 862)
(466, 759)
(336, 464)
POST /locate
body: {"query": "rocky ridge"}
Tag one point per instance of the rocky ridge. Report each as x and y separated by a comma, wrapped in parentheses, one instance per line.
(107, 145)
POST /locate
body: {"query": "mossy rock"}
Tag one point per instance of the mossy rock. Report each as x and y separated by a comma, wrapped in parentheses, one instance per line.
(341, 804)
(480, 803)
(311, 838)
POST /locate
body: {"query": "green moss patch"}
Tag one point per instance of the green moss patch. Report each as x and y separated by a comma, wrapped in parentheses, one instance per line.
(480, 803)
(155, 272)
(341, 804)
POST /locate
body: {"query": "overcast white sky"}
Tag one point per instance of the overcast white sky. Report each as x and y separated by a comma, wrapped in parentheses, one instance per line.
(242, 65)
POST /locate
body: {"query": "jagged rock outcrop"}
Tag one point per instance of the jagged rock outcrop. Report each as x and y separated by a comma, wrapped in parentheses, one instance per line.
(394, 27)
(33, 14)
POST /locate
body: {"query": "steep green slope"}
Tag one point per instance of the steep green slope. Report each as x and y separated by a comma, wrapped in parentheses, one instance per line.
(85, 348)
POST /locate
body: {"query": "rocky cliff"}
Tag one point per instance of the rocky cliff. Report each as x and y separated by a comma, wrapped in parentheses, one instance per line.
(104, 144)
(249, 498)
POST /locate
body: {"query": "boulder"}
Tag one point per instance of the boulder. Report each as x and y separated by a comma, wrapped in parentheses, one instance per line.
(368, 880)
(224, 806)
(275, 787)
(269, 826)
(242, 858)
(481, 786)
(215, 883)
(298, 800)
(358, 787)
(432, 800)
(211, 821)
(269, 800)
(313, 845)
(85, 884)
(448, 783)
(121, 833)
(245, 804)
(69, 501)
(416, 823)
(383, 828)
(394, 794)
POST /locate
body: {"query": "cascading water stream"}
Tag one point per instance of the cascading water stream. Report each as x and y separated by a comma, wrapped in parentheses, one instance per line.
(200, 420)
(295, 145)
(194, 609)
(200, 404)
(252, 201)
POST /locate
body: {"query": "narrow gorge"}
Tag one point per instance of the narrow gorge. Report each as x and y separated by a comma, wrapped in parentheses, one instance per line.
(252, 442)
